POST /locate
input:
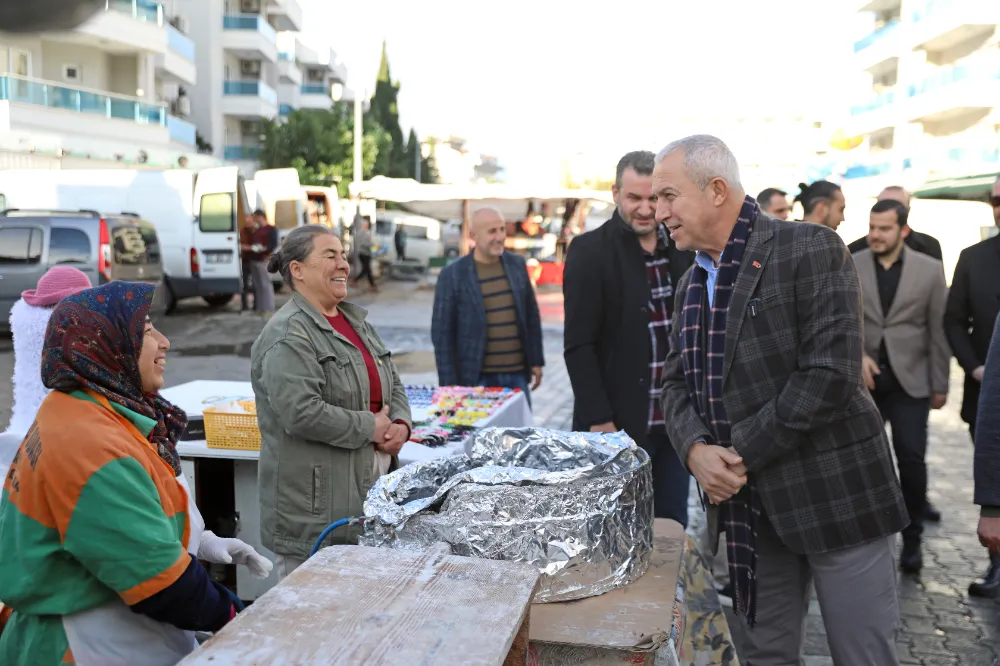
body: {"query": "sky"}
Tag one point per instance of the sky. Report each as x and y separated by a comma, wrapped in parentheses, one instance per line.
(533, 81)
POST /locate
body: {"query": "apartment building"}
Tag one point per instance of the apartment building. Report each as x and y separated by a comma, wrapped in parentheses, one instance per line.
(110, 93)
(930, 106)
(308, 78)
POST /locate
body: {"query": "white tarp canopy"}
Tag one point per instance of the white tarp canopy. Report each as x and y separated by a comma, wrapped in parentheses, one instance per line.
(445, 202)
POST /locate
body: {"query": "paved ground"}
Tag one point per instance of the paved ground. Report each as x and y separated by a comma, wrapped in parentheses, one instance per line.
(941, 625)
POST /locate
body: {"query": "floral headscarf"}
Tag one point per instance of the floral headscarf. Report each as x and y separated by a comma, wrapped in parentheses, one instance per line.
(94, 340)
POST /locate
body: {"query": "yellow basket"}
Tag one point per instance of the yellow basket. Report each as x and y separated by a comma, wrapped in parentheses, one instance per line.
(226, 430)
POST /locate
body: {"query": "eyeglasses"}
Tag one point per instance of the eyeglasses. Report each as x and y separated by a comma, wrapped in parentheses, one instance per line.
(995, 201)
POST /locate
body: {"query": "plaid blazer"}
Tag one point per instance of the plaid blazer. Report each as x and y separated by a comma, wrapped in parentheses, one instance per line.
(802, 419)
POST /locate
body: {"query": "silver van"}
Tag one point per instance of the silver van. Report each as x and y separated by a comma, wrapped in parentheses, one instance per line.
(110, 247)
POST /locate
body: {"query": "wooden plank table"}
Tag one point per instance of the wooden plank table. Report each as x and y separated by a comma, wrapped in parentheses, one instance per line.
(354, 605)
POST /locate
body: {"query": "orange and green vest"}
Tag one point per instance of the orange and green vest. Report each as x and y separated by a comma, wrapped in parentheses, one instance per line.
(89, 512)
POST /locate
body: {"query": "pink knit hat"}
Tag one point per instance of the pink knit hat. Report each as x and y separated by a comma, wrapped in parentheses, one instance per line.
(58, 283)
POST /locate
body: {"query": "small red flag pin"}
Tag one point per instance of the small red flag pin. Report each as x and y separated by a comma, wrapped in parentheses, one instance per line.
(756, 264)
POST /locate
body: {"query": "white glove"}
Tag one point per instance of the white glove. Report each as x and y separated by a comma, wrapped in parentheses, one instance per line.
(233, 551)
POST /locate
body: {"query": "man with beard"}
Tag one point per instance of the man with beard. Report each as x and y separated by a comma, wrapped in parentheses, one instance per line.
(823, 203)
(969, 320)
(906, 359)
(924, 243)
(618, 286)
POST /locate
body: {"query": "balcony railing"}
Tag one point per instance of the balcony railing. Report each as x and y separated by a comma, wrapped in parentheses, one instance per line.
(250, 22)
(285, 55)
(143, 10)
(180, 43)
(928, 8)
(951, 75)
(285, 110)
(876, 102)
(23, 90)
(315, 89)
(234, 153)
(251, 89)
(879, 34)
(182, 130)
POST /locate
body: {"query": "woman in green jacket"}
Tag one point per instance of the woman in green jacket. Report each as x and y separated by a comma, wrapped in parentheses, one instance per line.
(332, 411)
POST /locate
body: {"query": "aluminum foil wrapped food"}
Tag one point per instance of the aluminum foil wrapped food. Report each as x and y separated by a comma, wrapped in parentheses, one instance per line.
(579, 506)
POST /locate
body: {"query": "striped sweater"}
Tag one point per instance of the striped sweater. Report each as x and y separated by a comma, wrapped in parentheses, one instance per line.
(90, 514)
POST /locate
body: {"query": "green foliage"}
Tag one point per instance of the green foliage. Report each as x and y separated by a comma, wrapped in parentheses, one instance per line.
(319, 144)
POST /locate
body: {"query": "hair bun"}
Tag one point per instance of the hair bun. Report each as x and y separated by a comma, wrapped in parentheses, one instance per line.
(274, 262)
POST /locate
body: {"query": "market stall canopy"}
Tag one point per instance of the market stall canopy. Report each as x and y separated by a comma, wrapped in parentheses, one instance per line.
(973, 188)
(445, 202)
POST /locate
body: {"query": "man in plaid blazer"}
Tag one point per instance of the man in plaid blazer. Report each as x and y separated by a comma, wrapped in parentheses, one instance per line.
(788, 446)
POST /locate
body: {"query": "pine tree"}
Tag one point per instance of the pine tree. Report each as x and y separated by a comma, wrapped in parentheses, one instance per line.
(385, 111)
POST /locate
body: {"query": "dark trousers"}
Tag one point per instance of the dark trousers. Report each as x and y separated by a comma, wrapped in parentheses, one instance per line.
(671, 480)
(247, 285)
(401, 251)
(366, 269)
(907, 418)
(994, 558)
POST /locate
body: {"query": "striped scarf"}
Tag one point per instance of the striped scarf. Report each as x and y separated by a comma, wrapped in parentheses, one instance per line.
(702, 356)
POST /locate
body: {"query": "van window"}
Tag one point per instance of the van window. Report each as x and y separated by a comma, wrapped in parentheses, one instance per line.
(217, 212)
(134, 243)
(286, 214)
(383, 228)
(20, 245)
(412, 231)
(68, 246)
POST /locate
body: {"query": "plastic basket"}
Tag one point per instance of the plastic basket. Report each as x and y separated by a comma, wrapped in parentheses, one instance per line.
(227, 430)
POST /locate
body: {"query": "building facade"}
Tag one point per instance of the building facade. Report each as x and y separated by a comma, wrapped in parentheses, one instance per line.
(930, 101)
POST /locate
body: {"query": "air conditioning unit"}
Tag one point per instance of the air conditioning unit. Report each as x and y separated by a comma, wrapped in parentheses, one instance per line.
(181, 23)
(184, 106)
(250, 67)
(250, 6)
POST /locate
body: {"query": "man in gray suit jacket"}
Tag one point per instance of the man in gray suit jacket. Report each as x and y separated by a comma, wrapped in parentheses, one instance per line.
(907, 356)
(764, 402)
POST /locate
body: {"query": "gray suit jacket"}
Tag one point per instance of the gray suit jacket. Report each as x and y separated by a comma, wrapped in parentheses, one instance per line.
(914, 327)
(802, 419)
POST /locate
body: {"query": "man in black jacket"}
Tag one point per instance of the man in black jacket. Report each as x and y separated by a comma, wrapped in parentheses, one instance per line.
(969, 318)
(987, 460)
(618, 287)
(923, 243)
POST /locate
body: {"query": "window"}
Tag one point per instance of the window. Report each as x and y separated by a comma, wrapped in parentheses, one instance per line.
(68, 246)
(71, 73)
(384, 228)
(20, 245)
(411, 231)
(20, 62)
(217, 212)
(3, 202)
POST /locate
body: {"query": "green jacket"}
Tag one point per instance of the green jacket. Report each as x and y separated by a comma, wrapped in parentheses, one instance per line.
(316, 457)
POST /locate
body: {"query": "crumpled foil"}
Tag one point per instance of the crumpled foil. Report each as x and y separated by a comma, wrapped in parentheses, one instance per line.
(579, 506)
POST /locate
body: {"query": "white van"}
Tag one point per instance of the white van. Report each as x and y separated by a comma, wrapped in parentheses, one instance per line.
(282, 198)
(196, 216)
(323, 207)
(423, 236)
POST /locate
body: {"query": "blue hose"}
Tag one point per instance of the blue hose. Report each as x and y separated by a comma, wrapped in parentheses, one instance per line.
(330, 528)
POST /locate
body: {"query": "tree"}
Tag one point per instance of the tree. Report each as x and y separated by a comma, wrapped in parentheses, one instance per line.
(413, 156)
(385, 111)
(319, 144)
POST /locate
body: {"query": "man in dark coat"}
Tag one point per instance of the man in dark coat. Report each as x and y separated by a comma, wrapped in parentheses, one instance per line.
(969, 318)
(618, 286)
(923, 243)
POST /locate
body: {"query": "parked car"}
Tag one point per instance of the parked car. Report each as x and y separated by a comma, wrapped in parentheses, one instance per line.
(104, 247)
(423, 236)
(196, 216)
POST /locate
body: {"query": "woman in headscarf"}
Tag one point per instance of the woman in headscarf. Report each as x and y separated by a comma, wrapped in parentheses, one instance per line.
(98, 533)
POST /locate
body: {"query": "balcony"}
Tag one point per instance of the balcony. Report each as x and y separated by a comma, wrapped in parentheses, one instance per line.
(287, 14)
(288, 69)
(879, 48)
(877, 112)
(878, 5)
(181, 131)
(249, 100)
(250, 37)
(939, 25)
(285, 110)
(315, 96)
(242, 153)
(66, 110)
(953, 92)
(124, 26)
(178, 62)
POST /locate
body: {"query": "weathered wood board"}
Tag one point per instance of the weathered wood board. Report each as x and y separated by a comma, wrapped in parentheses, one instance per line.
(635, 618)
(352, 605)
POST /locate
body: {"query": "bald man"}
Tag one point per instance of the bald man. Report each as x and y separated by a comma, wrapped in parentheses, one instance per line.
(916, 241)
(486, 328)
